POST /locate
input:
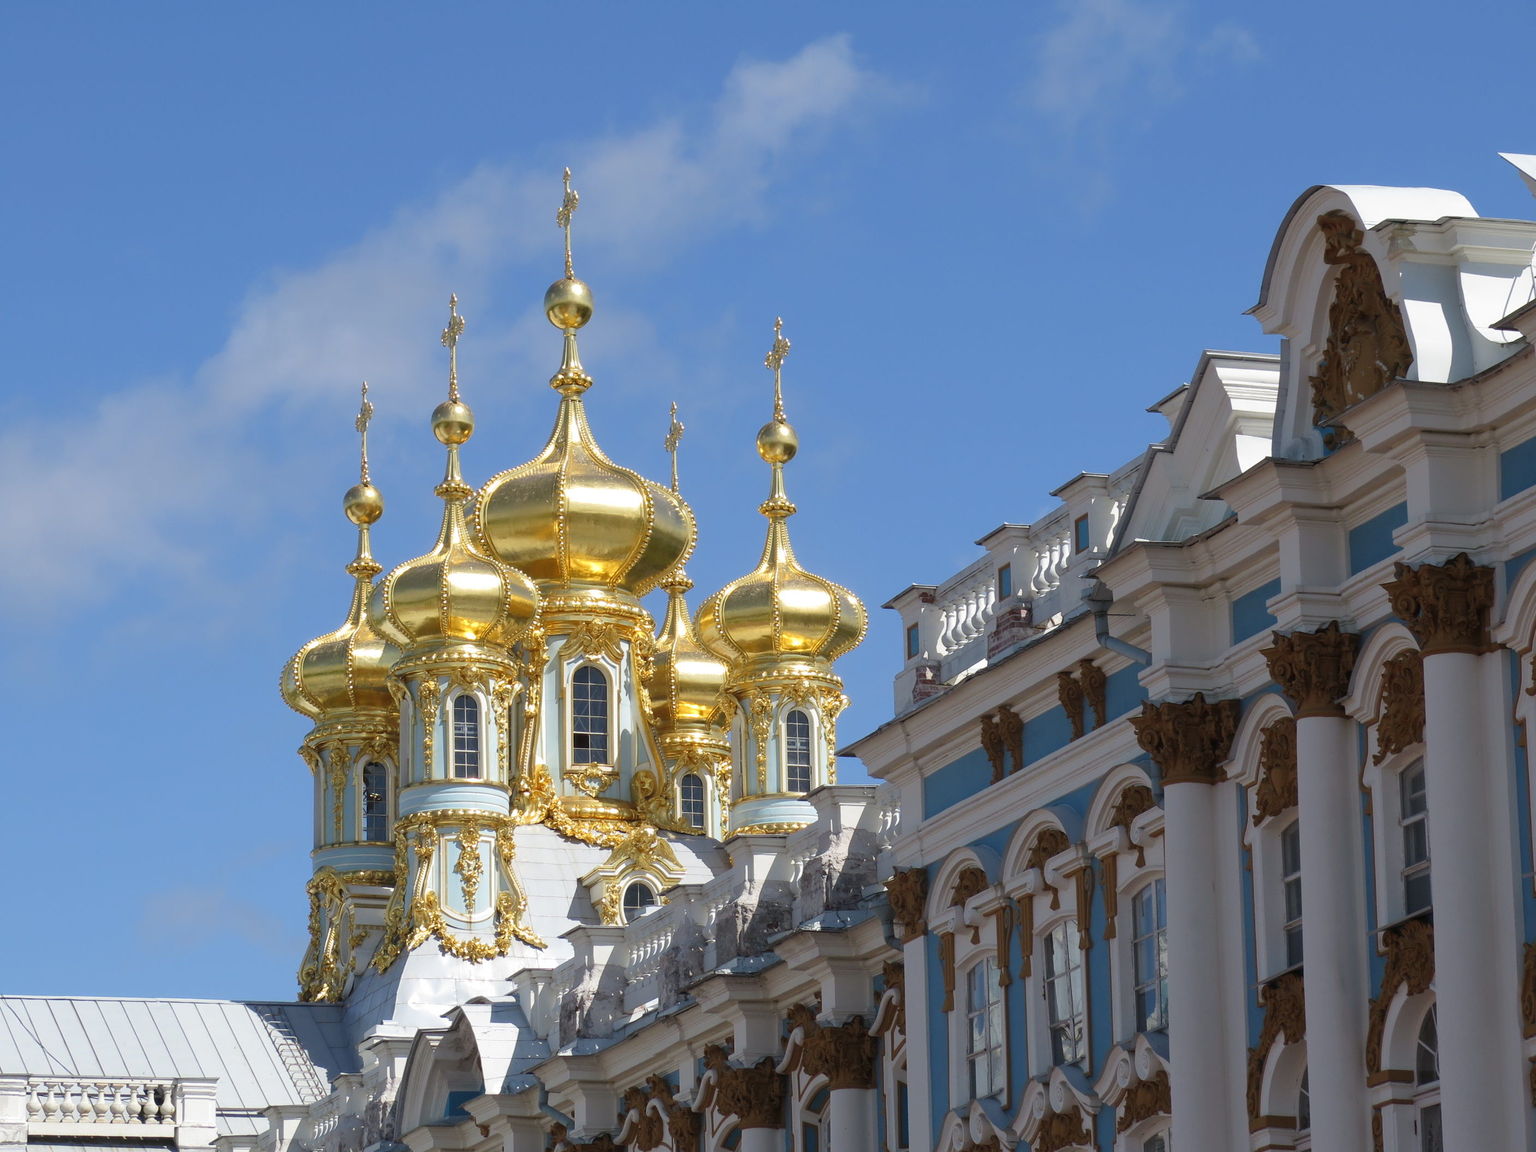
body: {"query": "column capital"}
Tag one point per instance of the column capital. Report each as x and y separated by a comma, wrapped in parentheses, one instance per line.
(1188, 739)
(1446, 606)
(1313, 668)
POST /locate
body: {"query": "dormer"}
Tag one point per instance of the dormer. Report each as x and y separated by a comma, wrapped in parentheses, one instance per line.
(1368, 284)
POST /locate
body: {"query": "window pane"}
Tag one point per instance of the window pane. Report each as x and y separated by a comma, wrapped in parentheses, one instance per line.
(691, 793)
(466, 737)
(375, 801)
(797, 751)
(589, 716)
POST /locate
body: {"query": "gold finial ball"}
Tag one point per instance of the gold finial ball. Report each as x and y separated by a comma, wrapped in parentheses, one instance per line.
(363, 504)
(777, 442)
(452, 422)
(568, 304)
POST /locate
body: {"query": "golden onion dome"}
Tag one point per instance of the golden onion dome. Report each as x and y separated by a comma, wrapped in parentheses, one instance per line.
(455, 593)
(348, 668)
(779, 609)
(686, 679)
(571, 516)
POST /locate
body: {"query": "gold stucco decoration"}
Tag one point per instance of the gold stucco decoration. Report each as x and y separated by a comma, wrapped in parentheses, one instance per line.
(1367, 344)
(755, 1095)
(1446, 606)
(1276, 791)
(1070, 693)
(1410, 949)
(1313, 669)
(1061, 1130)
(1188, 739)
(1400, 709)
(1144, 1100)
(1284, 1001)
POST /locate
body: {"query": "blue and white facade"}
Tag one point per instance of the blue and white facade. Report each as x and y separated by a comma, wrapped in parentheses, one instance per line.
(1203, 821)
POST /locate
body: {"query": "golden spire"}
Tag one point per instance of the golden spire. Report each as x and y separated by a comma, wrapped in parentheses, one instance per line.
(363, 503)
(451, 336)
(674, 437)
(568, 206)
(775, 361)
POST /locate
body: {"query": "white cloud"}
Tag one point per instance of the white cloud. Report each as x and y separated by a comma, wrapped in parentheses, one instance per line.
(154, 460)
(1110, 55)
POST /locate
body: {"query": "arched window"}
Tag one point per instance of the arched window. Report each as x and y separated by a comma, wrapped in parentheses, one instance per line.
(466, 737)
(691, 796)
(589, 716)
(1426, 1079)
(1413, 819)
(375, 801)
(985, 1031)
(1066, 1008)
(797, 752)
(638, 898)
(1149, 930)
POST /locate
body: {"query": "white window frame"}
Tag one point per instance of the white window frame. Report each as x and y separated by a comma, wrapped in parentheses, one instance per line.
(811, 734)
(1161, 977)
(1384, 783)
(610, 675)
(703, 826)
(1067, 926)
(974, 928)
(452, 761)
(1290, 883)
(362, 799)
(993, 1014)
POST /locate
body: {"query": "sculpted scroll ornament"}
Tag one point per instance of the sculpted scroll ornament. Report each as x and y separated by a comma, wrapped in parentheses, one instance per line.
(1367, 344)
(1276, 791)
(1400, 711)
(681, 1119)
(1096, 689)
(970, 882)
(1285, 1016)
(1313, 668)
(907, 890)
(1144, 1100)
(1410, 949)
(1059, 1130)
(844, 1054)
(428, 697)
(1002, 737)
(1446, 606)
(1070, 693)
(755, 1095)
(1134, 800)
(1188, 739)
(328, 961)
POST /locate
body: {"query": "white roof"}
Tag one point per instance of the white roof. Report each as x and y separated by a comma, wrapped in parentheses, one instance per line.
(260, 1054)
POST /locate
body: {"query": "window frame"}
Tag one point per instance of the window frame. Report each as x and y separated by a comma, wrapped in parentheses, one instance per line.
(363, 815)
(1292, 928)
(1159, 981)
(1077, 966)
(683, 801)
(1411, 825)
(810, 749)
(993, 1017)
(477, 753)
(609, 678)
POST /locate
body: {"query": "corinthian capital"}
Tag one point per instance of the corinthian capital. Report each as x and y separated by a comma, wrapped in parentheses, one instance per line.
(1445, 606)
(1313, 668)
(1189, 739)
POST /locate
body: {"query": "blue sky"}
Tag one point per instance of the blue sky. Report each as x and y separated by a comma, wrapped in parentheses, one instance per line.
(996, 233)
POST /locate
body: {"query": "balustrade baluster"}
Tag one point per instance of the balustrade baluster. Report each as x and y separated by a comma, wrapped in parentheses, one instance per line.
(119, 1102)
(98, 1101)
(51, 1104)
(167, 1103)
(34, 1104)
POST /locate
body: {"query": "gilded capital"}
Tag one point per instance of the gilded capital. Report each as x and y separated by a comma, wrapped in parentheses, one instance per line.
(845, 1055)
(1446, 606)
(1277, 789)
(1188, 739)
(1313, 668)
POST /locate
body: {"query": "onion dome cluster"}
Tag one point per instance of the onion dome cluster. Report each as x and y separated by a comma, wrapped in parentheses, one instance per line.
(571, 517)
(779, 609)
(348, 668)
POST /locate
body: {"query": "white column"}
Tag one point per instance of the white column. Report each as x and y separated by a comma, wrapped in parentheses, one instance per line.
(1202, 1103)
(851, 1118)
(1333, 932)
(763, 1140)
(1473, 887)
(920, 1015)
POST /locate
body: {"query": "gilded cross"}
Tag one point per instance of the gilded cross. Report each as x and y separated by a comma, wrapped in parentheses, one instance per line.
(364, 418)
(674, 437)
(563, 218)
(451, 336)
(775, 360)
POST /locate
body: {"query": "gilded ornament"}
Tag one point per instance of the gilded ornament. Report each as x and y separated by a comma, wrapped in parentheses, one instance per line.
(1528, 992)
(1400, 710)
(1190, 739)
(596, 638)
(1144, 1100)
(895, 975)
(1446, 606)
(682, 1121)
(1285, 1017)
(1095, 689)
(1133, 801)
(337, 759)
(755, 1095)
(1313, 669)
(947, 969)
(907, 891)
(1070, 693)
(1062, 1130)
(653, 804)
(591, 779)
(428, 697)
(1367, 344)
(992, 744)
(328, 962)
(844, 1054)
(610, 905)
(470, 866)
(1276, 791)
(971, 882)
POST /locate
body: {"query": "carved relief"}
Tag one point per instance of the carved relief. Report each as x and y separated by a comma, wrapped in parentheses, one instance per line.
(1276, 791)
(1367, 344)
(754, 1095)
(428, 697)
(644, 1128)
(895, 973)
(970, 882)
(1012, 725)
(992, 744)
(681, 1119)
(845, 1055)
(1133, 801)
(907, 890)
(1188, 739)
(1048, 842)
(1070, 693)
(1096, 689)
(1144, 1100)
(1285, 1017)
(1400, 711)
(1528, 993)
(1059, 1130)
(1445, 606)
(1410, 949)
(1313, 668)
